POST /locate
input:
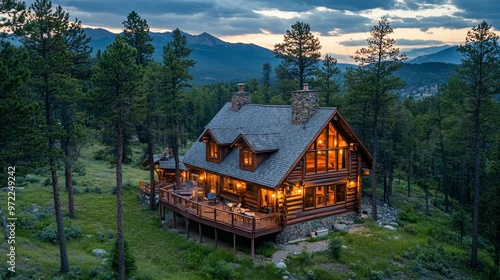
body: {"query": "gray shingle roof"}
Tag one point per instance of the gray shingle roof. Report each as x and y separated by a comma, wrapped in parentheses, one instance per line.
(170, 163)
(252, 120)
(262, 142)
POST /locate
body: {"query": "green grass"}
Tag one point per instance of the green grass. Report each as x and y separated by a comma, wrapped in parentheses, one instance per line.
(375, 253)
(159, 253)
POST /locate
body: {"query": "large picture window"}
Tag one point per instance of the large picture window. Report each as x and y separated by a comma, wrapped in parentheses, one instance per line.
(321, 196)
(328, 153)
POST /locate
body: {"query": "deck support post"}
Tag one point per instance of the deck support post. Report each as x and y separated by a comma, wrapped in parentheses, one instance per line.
(234, 243)
(216, 238)
(200, 234)
(252, 248)
(187, 228)
(163, 212)
(175, 219)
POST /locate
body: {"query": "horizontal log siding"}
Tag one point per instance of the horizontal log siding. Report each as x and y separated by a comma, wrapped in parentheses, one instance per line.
(251, 198)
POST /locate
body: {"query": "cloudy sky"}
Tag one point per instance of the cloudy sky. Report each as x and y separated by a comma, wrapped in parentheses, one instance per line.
(341, 25)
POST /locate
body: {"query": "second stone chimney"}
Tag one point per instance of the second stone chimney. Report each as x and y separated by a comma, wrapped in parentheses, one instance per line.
(304, 104)
(240, 98)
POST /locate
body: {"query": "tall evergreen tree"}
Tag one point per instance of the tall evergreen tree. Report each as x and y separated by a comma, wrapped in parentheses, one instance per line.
(12, 15)
(118, 80)
(175, 71)
(480, 72)
(136, 34)
(51, 58)
(379, 61)
(327, 85)
(299, 51)
(20, 114)
(71, 103)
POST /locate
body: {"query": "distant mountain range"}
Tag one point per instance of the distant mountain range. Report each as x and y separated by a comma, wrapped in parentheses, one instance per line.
(220, 61)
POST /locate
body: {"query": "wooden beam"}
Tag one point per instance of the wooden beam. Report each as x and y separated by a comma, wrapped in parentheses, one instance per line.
(187, 228)
(216, 239)
(252, 248)
(234, 243)
(175, 220)
(200, 234)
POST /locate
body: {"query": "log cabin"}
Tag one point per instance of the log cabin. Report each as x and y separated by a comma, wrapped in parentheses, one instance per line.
(269, 169)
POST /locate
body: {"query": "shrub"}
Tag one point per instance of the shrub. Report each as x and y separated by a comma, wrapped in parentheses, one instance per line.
(334, 247)
(47, 182)
(108, 234)
(31, 179)
(220, 270)
(431, 256)
(267, 249)
(130, 266)
(408, 215)
(49, 233)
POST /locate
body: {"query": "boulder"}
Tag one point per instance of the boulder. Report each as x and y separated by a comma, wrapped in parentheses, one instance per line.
(280, 265)
(389, 227)
(99, 252)
(340, 227)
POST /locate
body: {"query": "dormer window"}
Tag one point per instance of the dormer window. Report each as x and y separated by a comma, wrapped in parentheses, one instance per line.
(212, 152)
(247, 157)
(247, 160)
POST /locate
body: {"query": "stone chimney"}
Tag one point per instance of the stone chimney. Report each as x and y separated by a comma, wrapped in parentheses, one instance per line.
(304, 104)
(240, 98)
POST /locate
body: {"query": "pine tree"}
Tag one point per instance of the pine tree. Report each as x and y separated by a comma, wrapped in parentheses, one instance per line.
(12, 15)
(71, 104)
(327, 85)
(136, 34)
(299, 51)
(20, 114)
(378, 62)
(480, 72)
(50, 58)
(176, 76)
(118, 80)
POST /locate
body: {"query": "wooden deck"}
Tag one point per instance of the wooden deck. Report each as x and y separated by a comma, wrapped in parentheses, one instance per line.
(218, 215)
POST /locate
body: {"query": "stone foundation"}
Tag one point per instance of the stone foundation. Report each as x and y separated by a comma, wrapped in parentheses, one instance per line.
(303, 230)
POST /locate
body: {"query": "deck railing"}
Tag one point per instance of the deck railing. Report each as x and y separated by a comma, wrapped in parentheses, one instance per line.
(214, 214)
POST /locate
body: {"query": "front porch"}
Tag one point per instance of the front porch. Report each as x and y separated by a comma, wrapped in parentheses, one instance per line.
(232, 218)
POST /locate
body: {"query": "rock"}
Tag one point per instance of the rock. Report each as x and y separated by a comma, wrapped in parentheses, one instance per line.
(389, 227)
(99, 252)
(340, 227)
(280, 265)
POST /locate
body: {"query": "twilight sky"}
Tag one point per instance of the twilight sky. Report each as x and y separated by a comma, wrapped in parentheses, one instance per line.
(341, 25)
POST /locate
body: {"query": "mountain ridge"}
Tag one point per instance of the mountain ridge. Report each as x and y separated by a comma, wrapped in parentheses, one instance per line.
(220, 61)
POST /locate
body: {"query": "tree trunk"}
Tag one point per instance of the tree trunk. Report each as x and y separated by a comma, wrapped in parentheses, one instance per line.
(68, 176)
(426, 199)
(119, 199)
(175, 150)
(444, 162)
(59, 217)
(497, 247)
(477, 169)
(152, 197)
(463, 168)
(55, 188)
(386, 190)
(408, 175)
(374, 163)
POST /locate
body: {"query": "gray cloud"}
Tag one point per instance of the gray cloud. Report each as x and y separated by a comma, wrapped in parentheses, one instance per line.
(488, 10)
(237, 17)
